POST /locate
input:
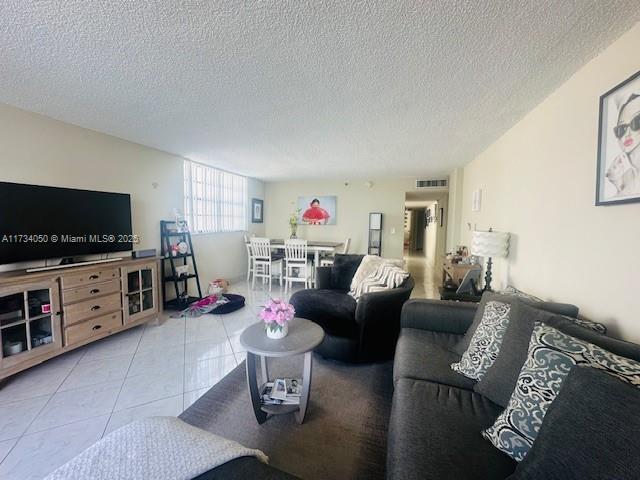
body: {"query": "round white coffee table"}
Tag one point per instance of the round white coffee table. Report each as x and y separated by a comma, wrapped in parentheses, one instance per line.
(302, 338)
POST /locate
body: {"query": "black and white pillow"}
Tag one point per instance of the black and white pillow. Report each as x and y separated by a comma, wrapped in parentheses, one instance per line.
(385, 277)
(551, 356)
(514, 292)
(485, 342)
(391, 275)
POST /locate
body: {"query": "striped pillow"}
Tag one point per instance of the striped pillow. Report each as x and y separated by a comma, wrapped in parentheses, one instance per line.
(385, 277)
(391, 275)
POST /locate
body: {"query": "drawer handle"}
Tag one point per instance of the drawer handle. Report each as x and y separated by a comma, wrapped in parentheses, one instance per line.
(96, 327)
(93, 277)
(95, 307)
(95, 290)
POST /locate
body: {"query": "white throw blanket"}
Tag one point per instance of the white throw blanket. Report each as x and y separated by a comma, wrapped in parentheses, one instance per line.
(154, 448)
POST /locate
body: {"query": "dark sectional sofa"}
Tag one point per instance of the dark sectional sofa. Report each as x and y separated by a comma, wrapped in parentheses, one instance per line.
(437, 417)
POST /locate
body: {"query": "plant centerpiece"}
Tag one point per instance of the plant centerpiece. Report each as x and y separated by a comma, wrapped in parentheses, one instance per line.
(293, 222)
(276, 316)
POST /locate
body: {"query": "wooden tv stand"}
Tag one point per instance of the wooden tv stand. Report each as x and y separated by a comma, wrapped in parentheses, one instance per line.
(45, 314)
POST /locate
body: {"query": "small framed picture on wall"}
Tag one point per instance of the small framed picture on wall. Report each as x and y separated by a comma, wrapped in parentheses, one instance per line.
(257, 210)
(618, 174)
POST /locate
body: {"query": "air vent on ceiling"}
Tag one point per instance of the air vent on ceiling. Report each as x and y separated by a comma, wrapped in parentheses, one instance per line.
(431, 183)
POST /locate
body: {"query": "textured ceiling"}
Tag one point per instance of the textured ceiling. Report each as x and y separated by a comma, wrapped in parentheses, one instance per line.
(292, 89)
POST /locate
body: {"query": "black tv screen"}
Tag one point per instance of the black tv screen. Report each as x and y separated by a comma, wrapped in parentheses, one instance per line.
(38, 222)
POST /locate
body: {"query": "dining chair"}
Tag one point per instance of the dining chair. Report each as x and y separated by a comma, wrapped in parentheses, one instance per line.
(328, 260)
(263, 262)
(295, 258)
(247, 244)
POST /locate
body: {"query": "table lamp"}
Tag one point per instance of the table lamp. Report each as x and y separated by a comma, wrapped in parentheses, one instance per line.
(491, 245)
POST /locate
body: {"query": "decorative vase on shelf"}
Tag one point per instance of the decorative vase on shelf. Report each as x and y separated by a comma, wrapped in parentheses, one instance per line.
(276, 316)
(276, 332)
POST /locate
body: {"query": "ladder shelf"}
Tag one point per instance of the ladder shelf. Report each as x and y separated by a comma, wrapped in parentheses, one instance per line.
(170, 263)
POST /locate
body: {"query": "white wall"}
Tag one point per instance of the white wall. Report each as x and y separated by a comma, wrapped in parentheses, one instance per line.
(436, 236)
(354, 203)
(454, 210)
(39, 150)
(431, 234)
(538, 182)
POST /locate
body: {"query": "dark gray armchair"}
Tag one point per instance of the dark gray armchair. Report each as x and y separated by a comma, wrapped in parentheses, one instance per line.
(366, 330)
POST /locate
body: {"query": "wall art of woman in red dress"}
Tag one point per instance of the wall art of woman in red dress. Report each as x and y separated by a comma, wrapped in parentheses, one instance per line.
(315, 214)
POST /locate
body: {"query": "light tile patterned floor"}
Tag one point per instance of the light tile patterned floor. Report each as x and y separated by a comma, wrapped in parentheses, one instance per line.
(427, 277)
(52, 412)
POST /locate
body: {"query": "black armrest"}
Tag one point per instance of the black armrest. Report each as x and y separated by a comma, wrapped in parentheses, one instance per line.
(378, 318)
(438, 315)
(242, 468)
(323, 278)
(376, 304)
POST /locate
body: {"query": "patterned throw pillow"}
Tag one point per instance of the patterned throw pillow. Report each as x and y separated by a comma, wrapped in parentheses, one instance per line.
(514, 292)
(485, 342)
(550, 357)
(391, 275)
(368, 267)
(595, 326)
(385, 277)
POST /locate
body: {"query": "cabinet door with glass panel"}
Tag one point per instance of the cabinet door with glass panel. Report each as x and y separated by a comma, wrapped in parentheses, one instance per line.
(29, 322)
(139, 291)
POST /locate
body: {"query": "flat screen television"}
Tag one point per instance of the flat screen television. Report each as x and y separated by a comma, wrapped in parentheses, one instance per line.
(38, 222)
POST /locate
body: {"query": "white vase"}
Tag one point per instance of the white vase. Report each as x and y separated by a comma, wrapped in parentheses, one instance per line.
(277, 333)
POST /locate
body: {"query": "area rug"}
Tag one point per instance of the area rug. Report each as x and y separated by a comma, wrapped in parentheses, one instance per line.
(344, 435)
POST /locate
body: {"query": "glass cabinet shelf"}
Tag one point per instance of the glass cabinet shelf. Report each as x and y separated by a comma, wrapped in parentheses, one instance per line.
(27, 320)
(12, 309)
(14, 340)
(140, 296)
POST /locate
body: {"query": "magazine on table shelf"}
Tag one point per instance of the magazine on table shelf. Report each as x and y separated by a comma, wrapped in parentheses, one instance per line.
(282, 391)
(293, 387)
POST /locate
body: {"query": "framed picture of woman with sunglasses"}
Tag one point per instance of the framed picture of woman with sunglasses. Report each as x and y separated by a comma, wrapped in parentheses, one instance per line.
(618, 178)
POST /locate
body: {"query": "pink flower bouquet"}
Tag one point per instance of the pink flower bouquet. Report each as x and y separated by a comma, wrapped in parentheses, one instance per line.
(276, 314)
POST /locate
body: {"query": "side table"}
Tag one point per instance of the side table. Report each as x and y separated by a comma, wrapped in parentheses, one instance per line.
(302, 338)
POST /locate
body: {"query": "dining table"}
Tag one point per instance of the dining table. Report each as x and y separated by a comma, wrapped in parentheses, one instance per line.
(315, 246)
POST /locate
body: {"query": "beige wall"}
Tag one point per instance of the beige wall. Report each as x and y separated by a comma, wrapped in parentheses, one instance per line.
(436, 236)
(538, 182)
(454, 210)
(354, 203)
(40, 150)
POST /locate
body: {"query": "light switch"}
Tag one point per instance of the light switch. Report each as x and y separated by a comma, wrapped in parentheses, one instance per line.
(393, 231)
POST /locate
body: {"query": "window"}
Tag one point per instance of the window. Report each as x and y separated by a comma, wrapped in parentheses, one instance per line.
(214, 200)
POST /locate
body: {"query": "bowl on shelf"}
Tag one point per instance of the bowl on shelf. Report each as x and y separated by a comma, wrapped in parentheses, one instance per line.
(12, 348)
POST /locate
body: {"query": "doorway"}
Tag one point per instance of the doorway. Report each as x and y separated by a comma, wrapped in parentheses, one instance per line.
(425, 226)
(415, 230)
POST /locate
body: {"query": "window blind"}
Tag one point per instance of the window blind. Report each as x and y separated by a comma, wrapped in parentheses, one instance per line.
(214, 200)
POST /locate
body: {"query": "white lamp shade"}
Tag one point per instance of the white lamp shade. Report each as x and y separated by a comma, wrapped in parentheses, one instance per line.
(490, 244)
